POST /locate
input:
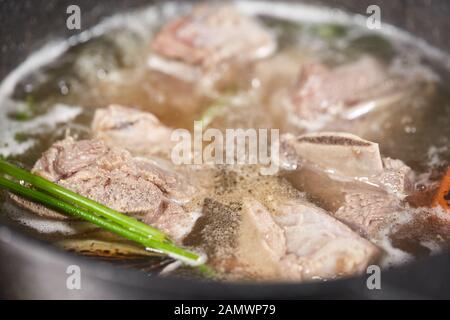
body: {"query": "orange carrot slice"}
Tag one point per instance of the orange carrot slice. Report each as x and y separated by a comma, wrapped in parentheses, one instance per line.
(442, 197)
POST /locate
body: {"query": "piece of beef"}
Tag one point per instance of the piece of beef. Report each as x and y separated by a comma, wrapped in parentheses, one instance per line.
(397, 178)
(345, 157)
(113, 177)
(175, 220)
(347, 176)
(240, 238)
(368, 212)
(320, 88)
(319, 246)
(139, 132)
(370, 209)
(143, 135)
(203, 45)
(342, 153)
(193, 60)
(299, 241)
(346, 92)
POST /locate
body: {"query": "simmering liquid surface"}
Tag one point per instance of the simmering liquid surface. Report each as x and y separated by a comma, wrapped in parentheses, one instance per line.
(107, 65)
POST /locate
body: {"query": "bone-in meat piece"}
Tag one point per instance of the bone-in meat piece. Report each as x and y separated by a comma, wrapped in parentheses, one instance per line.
(321, 90)
(323, 95)
(341, 153)
(212, 34)
(208, 38)
(346, 175)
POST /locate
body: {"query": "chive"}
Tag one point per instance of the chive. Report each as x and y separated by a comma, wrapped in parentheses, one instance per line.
(330, 31)
(211, 113)
(74, 198)
(374, 44)
(217, 108)
(30, 102)
(21, 137)
(21, 116)
(150, 243)
(207, 271)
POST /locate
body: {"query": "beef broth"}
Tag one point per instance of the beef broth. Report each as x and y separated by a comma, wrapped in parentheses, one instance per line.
(364, 122)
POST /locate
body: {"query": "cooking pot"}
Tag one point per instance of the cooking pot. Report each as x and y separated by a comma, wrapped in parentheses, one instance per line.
(33, 269)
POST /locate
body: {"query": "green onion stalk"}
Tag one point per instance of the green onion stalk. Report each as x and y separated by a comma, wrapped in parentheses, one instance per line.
(58, 198)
